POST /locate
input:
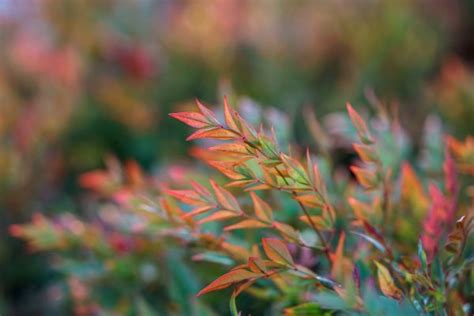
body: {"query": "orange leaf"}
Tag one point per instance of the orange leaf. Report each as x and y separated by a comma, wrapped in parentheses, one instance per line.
(193, 119)
(227, 169)
(366, 153)
(213, 133)
(248, 223)
(359, 125)
(186, 196)
(337, 258)
(262, 210)
(225, 198)
(207, 113)
(232, 148)
(228, 279)
(202, 190)
(368, 179)
(257, 265)
(229, 116)
(218, 216)
(277, 251)
(287, 231)
(319, 221)
(247, 130)
(361, 210)
(310, 200)
(235, 251)
(197, 211)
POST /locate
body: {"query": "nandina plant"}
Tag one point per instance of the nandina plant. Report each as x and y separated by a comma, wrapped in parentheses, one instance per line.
(385, 235)
(428, 278)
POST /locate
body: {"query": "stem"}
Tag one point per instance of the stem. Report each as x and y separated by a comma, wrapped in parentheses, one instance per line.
(294, 194)
(310, 220)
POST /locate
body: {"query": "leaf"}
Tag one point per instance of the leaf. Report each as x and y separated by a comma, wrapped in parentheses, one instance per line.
(257, 265)
(360, 126)
(459, 235)
(218, 216)
(186, 196)
(337, 258)
(295, 169)
(212, 256)
(227, 169)
(422, 256)
(277, 251)
(197, 211)
(248, 223)
(371, 240)
(202, 191)
(361, 210)
(225, 198)
(229, 116)
(247, 130)
(366, 153)
(310, 200)
(319, 221)
(262, 210)
(236, 148)
(287, 231)
(226, 280)
(207, 113)
(193, 119)
(386, 283)
(212, 133)
(366, 178)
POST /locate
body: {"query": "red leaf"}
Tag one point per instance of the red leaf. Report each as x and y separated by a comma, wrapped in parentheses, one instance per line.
(193, 119)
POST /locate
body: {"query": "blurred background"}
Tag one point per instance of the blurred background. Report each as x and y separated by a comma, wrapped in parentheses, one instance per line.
(84, 80)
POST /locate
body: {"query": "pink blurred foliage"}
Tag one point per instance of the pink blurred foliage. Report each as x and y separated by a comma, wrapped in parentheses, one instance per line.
(442, 209)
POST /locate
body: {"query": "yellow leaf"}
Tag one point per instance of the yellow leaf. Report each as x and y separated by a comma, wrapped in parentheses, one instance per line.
(386, 283)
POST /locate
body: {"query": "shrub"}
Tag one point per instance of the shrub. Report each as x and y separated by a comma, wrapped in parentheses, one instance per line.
(304, 235)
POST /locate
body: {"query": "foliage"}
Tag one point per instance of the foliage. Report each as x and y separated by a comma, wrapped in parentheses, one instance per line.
(302, 234)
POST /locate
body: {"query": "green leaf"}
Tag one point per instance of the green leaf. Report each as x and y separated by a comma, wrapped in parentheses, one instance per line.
(422, 256)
